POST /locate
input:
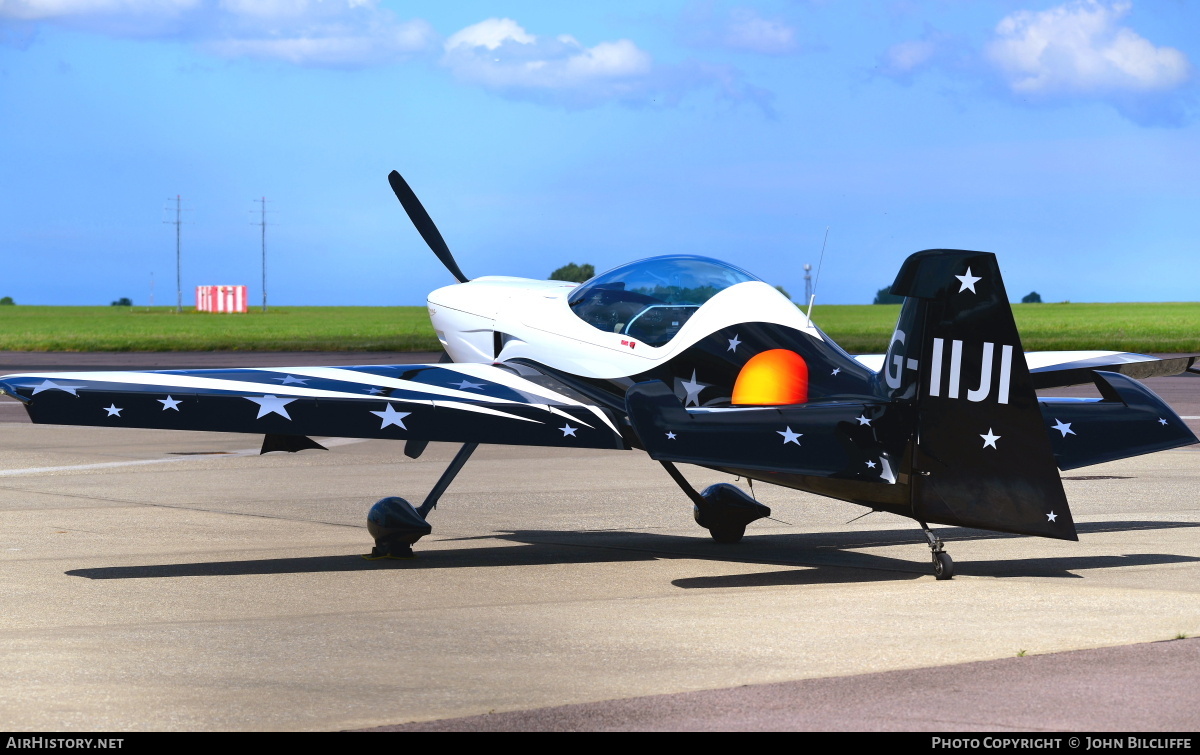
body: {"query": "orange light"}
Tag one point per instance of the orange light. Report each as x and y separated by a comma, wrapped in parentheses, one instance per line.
(772, 378)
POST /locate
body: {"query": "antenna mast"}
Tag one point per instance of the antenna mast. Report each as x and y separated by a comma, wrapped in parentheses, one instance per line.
(812, 297)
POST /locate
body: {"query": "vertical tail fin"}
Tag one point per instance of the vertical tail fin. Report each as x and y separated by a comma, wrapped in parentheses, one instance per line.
(980, 455)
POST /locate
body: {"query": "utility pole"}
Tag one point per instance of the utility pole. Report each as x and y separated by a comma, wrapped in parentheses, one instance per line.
(263, 222)
(178, 223)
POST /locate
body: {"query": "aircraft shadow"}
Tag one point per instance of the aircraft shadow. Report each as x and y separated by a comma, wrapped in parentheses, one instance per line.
(1033, 567)
(533, 554)
(828, 557)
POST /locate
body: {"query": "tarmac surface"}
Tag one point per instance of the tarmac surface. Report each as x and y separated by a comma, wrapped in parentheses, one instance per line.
(155, 580)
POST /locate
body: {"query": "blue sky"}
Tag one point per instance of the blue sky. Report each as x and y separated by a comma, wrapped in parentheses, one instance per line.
(1064, 137)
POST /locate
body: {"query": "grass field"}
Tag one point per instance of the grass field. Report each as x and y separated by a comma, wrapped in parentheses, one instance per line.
(1156, 327)
(31, 328)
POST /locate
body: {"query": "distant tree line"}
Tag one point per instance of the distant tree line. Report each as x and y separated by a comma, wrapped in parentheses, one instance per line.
(573, 273)
(124, 301)
(885, 296)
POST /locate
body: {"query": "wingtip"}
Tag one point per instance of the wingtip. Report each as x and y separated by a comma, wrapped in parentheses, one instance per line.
(6, 390)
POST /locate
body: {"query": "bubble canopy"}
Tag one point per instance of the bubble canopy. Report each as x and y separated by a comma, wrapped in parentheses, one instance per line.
(651, 299)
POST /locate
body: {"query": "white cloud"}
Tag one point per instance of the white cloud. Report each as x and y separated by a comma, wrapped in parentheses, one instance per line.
(20, 19)
(741, 29)
(36, 10)
(1079, 48)
(317, 32)
(934, 49)
(906, 57)
(303, 32)
(329, 48)
(490, 34)
(748, 31)
(499, 54)
(1077, 51)
(275, 9)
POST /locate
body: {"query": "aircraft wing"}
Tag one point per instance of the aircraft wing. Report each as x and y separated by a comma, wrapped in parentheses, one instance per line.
(1055, 369)
(465, 403)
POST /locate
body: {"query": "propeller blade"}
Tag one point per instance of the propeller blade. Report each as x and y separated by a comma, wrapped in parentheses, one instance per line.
(424, 224)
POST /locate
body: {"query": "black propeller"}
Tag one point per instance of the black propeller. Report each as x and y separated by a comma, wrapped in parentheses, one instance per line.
(424, 224)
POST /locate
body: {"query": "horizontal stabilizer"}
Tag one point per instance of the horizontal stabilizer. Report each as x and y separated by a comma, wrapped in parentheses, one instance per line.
(1058, 369)
(1129, 421)
(1063, 368)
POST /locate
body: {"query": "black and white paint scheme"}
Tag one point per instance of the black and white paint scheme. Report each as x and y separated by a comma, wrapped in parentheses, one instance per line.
(694, 361)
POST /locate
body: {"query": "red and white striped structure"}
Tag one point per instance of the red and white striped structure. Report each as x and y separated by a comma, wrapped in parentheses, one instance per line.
(221, 299)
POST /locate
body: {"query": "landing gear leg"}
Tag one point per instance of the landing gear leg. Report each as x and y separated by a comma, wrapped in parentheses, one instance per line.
(396, 524)
(722, 509)
(456, 465)
(943, 565)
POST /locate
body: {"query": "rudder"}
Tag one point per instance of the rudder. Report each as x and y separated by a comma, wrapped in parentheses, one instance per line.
(980, 456)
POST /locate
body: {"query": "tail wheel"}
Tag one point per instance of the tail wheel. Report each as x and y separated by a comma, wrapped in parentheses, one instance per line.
(943, 565)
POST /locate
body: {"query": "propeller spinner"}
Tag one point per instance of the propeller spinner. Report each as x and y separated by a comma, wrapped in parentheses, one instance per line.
(424, 224)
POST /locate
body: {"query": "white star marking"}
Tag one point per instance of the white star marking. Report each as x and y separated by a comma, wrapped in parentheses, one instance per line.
(391, 417)
(568, 430)
(870, 465)
(1063, 427)
(271, 405)
(734, 343)
(50, 385)
(670, 436)
(1051, 516)
(1162, 421)
(862, 420)
(968, 281)
(374, 391)
(789, 436)
(693, 389)
(990, 439)
(465, 384)
(169, 403)
(289, 380)
(836, 370)
(112, 410)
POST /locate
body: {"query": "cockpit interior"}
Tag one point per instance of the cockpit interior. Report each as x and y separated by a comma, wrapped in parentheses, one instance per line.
(651, 299)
